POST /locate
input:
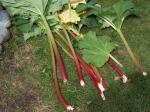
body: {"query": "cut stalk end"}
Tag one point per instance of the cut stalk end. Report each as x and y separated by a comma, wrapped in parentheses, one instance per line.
(144, 73)
(124, 79)
(65, 81)
(82, 83)
(101, 87)
(103, 97)
(70, 108)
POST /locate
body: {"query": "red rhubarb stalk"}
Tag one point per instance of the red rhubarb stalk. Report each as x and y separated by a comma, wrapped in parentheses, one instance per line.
(87, 70)
(58, 91)
(60, 64)
(102, 84)
(94, 80)
(51, 41)
(55, 53)
(94, 72)
(119, 71)
(81, 79)
(57, 87)
(93, 77)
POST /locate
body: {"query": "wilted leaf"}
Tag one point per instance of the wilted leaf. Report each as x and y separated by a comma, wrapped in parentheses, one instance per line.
(69, 16)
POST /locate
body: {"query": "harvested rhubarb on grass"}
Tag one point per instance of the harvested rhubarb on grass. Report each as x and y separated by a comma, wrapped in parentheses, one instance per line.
(58, 91)
(119, 71)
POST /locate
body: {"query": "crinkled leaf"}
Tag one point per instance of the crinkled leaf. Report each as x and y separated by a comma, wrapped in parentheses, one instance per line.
(90, 11)
(53, 21)
(27, 6)
(36, 32)
(92, 2)
(96, 50)
(123, 7)
(94, 9)
(69, 16)
(90, 22)
(119, 11)
(24, 24)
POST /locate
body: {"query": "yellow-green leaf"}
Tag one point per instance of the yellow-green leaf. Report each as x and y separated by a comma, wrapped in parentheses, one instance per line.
(69, 16)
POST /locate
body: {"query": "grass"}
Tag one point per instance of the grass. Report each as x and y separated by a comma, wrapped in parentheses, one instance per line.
(26, 83)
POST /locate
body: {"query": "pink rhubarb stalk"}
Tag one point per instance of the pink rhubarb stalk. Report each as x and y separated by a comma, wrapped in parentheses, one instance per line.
(58, 91)
(55, 53)
(87, 70)
(80, 75)
(51, 41)
(102, 84)
(94, 79)
(60, 64)
(119, 71)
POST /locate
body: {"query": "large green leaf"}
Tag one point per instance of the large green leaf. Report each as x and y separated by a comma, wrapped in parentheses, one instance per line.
(27, 6)
(31, 11)
(123, 7)
(116, 14)
(96, 50)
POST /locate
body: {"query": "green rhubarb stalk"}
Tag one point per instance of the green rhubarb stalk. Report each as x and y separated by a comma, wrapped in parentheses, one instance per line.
(130, 52)
(115, 60)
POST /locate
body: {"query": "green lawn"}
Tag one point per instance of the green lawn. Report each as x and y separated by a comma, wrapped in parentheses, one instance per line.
(26, 83)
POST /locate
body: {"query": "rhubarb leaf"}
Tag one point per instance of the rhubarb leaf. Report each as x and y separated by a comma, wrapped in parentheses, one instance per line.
(90, 22)
(75, 3)
(57, 5)
(88, 14)
(96, 50)
(69, 16)
(116, 14)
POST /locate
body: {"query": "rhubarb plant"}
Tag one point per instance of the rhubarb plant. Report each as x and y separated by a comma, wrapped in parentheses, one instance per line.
(66, 18)
(114, 17)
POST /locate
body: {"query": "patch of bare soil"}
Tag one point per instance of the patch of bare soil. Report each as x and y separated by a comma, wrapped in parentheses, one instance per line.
(16, 95)
(22, 102)
(11, 63)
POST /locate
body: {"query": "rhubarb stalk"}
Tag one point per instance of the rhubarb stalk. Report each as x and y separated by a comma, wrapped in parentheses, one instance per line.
(120, 73)
(130, 52)
(52, 41)
(102, 85)
(57, 88)
(87, 70)
(73, 54)
(94, 79)
(135, 61)
(53, 49)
